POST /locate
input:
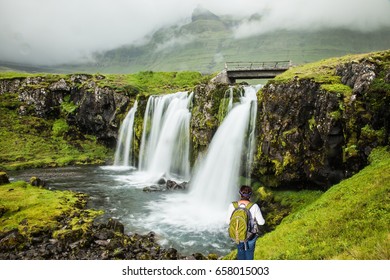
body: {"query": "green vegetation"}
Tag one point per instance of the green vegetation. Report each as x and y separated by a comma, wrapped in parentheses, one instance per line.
(349, 221)
(32, 210)
(149, 82)
(28, 142)
(324, 71)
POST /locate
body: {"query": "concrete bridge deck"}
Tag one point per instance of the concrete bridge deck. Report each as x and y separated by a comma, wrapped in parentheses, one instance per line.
(252, 70)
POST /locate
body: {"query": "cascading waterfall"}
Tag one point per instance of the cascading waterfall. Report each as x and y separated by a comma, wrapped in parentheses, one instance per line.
(123, 152)
(198, 215)
(214, 183)
(165, 142)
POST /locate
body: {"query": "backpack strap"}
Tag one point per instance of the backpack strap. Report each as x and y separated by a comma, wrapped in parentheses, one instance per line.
(249, 205)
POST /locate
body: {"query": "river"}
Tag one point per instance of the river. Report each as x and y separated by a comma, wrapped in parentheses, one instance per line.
(121, 196)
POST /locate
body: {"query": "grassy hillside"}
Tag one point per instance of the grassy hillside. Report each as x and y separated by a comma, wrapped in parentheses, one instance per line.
(349, 221)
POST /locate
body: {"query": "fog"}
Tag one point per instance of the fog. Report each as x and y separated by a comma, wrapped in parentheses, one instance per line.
(48, 32)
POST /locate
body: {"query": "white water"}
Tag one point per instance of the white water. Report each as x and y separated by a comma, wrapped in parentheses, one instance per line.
(165, 142)
(123, 153)
(198, 215)
(215, 181)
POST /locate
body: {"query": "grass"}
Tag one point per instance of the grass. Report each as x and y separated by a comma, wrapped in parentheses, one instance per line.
(32, 210)
(149, 82)
(324, 71)
(28, 142)
(349, 221)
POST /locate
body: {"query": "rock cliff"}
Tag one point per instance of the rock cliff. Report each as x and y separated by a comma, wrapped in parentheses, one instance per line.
(318, 124)
(93, 109)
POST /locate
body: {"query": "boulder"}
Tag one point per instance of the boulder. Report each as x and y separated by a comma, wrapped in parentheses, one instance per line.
(37, 182)
(4, 179)
(115, 225)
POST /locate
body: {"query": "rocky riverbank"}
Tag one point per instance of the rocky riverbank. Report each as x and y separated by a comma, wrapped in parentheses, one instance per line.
(37, 223)
(103, 241)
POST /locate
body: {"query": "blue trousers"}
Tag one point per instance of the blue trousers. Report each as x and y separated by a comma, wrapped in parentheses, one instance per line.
(246, 251)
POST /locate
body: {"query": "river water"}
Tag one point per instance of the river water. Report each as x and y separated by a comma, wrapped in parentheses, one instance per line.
(193, 220)
(120, 194)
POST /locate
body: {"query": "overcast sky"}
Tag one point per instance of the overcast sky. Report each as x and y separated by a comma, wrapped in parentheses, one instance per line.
(57, 31)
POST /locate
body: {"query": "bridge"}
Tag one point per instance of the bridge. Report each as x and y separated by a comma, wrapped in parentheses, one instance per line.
(252, 70)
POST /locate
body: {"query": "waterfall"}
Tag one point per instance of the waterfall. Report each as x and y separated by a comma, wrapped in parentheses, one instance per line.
(165, 142)
(229, 155)
(215, 181)
(123, 152)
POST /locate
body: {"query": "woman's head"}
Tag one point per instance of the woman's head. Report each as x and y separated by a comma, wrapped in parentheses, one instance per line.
(245, 192)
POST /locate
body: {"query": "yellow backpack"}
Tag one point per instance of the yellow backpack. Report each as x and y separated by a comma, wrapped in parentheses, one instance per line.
(240, 225)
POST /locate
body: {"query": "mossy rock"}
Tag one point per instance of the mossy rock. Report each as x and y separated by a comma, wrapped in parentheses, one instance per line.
(68, 235)
(4, 179)
(37, 182)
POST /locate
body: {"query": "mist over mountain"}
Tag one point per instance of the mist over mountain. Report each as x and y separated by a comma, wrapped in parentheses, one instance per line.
(128, 35)
(207, 41)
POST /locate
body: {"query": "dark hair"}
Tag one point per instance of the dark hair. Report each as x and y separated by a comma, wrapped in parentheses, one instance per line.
(245, 192)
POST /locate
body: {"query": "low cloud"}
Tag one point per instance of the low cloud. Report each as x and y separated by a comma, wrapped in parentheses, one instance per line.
(49, 32)
(364, 16)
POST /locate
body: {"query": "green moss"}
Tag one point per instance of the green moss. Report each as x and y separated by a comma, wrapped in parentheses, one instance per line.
(10, 101)
(368, 134)
(349, 221)
(30, 142)
(336, 115)
(68, 106)
(337, 87)
(312, 123)
(32, 210)
(149, 82)
(60, 127)
(322, 72)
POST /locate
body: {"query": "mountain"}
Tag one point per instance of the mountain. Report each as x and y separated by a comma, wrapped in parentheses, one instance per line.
(206, 41)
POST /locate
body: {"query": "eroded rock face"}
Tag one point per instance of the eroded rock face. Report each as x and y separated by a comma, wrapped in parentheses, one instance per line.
(311, 136)
(299, 140)
(204, 119)
(97, 112)
(358, 76)
(95, 109)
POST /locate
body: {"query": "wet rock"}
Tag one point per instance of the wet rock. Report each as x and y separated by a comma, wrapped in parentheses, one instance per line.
(172, 185)
(103, 243)
(199, 256)
(4, 179)
(37, 182)
(104, 234)
(115, 225)
(11, 240)
(153, 188)
(161, 181)
(212, 256)
(70, 236)
(170, 254)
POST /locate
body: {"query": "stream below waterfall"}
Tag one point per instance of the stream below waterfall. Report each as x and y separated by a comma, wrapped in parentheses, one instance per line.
(120, 195)
(192, 220)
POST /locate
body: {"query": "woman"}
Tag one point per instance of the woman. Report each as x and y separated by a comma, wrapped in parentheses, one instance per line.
(246, 249)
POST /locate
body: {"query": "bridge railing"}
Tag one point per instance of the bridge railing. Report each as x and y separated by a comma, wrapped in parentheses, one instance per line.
(252, 66)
